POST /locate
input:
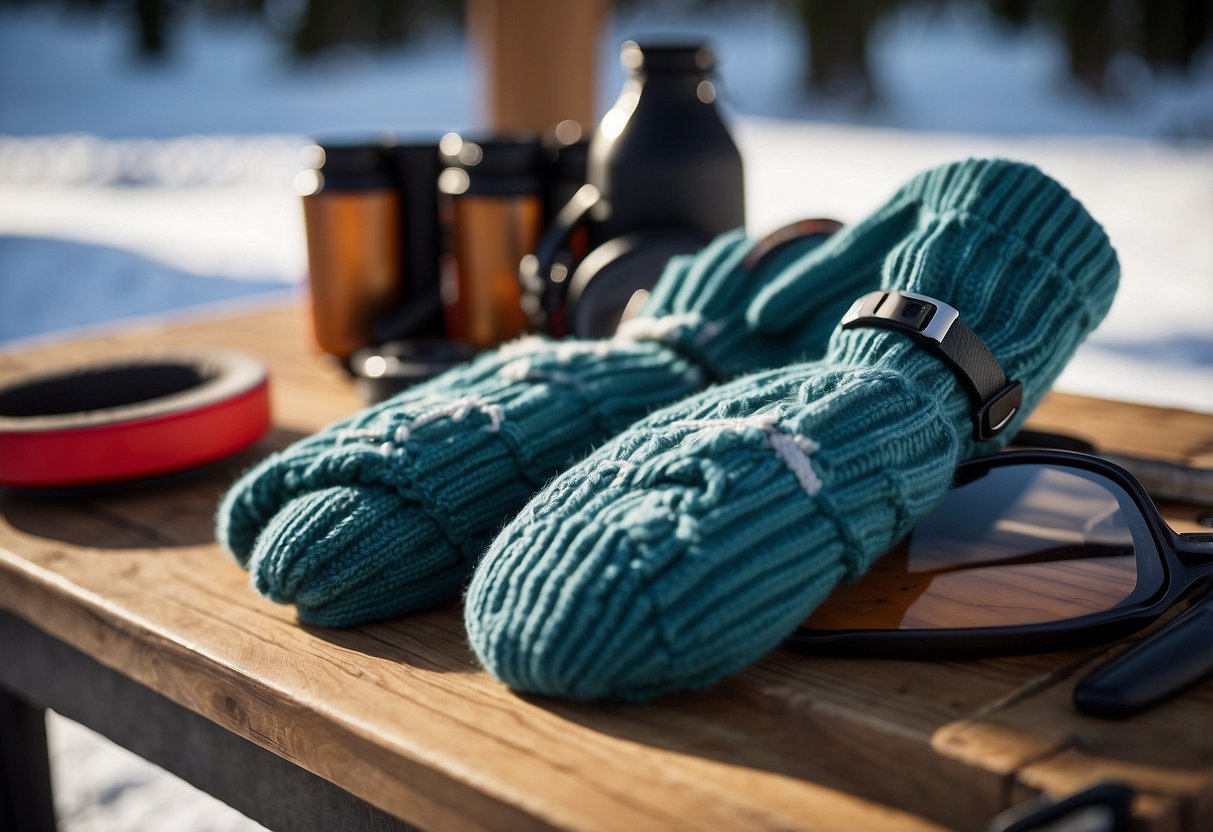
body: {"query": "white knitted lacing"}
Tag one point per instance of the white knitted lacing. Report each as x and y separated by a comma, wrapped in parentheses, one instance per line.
(395, 435)
(794, 449)
(669, 329)
(520, 369)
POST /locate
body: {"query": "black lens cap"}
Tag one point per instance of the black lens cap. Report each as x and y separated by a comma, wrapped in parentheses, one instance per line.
(383, 371)
(606, 280)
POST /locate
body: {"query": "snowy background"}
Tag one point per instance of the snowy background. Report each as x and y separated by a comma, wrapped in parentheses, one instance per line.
(129, 190)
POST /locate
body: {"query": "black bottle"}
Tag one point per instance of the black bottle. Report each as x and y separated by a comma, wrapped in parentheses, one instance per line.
(662, 156)
(664, 178)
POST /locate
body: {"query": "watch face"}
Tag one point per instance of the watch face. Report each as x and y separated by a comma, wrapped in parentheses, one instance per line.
(905, 310)
(915, 313)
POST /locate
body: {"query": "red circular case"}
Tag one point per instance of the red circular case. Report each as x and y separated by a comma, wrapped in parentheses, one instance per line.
(128, 419)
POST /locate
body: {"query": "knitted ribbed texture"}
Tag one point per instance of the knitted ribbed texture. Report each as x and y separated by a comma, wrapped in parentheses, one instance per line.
(693, 543)
(385, 513)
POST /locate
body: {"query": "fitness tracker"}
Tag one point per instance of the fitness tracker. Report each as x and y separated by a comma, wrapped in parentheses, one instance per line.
(937, 327)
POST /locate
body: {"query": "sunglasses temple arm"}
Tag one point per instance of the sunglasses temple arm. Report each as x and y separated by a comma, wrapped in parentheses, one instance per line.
(1195, 543)
(1158, 667)
(1164, 480)
(1168, 480)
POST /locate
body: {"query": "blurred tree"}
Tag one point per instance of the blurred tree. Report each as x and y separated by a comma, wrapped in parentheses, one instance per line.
(1089, 30)
(1163, 33)
(1017, 12)
(375, 23)
(837, 35)
(151, 15)
(1173, 32)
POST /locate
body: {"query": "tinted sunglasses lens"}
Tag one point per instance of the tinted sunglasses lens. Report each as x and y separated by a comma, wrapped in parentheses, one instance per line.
(1016, 544)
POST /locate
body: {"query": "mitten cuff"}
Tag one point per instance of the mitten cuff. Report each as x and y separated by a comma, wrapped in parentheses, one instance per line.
(1019, 204)
(998, 240)
(698, 308)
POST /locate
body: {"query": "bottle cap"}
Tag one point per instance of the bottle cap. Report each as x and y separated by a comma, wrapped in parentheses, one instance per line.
(565, 151)
(667, 56)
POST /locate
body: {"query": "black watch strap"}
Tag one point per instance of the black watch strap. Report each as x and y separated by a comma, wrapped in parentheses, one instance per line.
(936, 326)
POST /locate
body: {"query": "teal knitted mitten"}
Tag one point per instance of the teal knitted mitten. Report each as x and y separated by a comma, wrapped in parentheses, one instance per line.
(693, 543)
(385, 513)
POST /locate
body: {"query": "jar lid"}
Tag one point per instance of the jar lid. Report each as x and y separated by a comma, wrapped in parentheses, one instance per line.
(498, 164)
(352, 166)
(506, 154)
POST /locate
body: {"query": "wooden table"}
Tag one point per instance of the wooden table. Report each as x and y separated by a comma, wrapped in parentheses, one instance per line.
(120, 611)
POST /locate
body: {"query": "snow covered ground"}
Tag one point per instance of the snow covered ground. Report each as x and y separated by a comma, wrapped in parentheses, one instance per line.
(127, 191)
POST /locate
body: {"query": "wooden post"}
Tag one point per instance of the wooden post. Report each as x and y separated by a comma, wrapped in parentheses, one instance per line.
(539, 59)
(25, 775)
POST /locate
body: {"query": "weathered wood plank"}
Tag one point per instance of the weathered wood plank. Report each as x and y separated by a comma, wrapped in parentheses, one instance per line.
(361, 720)
(398, 714)
(1045, 745)
(272, 791)
(1166, 433)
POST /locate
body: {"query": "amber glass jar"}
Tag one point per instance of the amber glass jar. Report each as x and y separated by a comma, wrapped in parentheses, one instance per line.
(493, 201)
(351, 212)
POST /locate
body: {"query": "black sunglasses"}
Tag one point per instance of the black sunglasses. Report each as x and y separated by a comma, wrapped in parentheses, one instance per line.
(1032, 551)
